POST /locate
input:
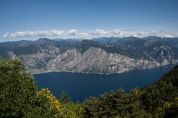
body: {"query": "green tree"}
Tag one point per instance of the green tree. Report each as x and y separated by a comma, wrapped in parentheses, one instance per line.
(17, 89)
(64, 98)
(71, 110)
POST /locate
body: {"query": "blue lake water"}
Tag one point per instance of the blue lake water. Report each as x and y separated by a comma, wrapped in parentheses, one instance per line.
(80, 86)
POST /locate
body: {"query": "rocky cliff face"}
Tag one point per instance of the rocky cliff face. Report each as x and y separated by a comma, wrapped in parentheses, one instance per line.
(93, 60)
(96, 60)
(91, 57)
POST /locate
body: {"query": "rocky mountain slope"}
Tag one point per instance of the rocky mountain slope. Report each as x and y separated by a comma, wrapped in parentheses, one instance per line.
(101, 55)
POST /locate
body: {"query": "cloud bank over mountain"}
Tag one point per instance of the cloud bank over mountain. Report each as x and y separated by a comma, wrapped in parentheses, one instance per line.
(73, 33)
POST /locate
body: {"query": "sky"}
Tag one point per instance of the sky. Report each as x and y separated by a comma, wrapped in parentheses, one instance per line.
(31, 19)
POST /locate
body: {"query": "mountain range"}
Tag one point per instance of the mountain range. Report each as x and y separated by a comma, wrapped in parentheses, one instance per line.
(97, 55)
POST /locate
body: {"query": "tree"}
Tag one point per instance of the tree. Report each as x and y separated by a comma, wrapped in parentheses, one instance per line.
(64, 98)
(172, 109)
(17, 89)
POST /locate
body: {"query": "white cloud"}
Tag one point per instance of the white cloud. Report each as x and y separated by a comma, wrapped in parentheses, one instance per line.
(36, 33)
(73, 33)
(102, 32)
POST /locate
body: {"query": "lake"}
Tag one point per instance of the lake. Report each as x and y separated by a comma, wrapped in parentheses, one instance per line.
(80, 86)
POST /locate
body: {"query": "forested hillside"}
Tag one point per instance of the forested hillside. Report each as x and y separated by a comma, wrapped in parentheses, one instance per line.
(20, 98)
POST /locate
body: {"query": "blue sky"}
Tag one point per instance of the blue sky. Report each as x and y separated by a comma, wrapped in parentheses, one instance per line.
(88, 15)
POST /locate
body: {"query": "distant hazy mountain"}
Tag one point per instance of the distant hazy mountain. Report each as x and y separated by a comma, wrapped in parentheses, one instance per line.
(99, 55)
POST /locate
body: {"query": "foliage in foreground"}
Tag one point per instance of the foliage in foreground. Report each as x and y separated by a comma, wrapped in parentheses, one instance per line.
(18, 93)
(53, 105)
(17, 89)
(19, 98)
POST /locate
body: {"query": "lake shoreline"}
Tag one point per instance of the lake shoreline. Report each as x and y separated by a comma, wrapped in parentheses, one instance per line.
(56, 71)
